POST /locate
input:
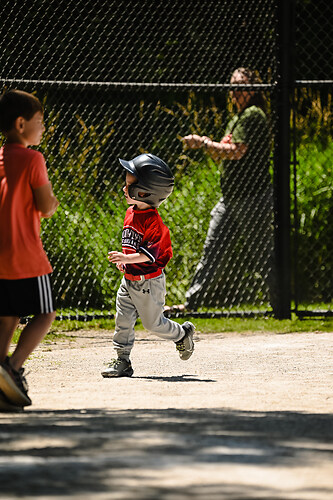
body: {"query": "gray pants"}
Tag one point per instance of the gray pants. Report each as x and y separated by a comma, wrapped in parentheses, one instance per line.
(145, 300)
(239, 241)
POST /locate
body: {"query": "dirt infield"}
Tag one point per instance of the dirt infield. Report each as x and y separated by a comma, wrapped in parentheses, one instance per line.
(248, 416)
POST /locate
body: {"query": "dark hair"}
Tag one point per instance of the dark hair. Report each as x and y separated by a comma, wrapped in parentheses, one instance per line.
(252, 76)
(15, 103)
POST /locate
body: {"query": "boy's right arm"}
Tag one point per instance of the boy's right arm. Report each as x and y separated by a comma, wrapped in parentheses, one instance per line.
(45, 200)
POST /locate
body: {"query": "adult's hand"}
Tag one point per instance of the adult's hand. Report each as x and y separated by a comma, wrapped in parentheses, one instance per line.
(193, 141)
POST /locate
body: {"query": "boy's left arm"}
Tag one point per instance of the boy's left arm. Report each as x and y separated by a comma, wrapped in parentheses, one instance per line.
(149, 250)
(45, 200)
(121, 259)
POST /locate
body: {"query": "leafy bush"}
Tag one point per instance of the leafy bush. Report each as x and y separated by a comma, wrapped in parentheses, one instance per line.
(314, 224)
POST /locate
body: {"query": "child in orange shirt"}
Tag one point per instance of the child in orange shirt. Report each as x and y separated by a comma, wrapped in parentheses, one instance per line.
(26, 195)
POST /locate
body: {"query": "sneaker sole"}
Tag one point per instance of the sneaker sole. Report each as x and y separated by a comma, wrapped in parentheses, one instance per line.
(6, 405)
(116, 375)
(185, 355)
(12, 392)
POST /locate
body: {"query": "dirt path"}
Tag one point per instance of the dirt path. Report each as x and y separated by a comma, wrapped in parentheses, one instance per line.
(248, 416)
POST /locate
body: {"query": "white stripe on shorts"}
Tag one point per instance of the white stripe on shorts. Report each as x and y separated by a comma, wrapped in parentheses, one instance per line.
(45, 294)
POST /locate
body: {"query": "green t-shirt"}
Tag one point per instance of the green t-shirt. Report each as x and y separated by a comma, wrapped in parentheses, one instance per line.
(249, 175)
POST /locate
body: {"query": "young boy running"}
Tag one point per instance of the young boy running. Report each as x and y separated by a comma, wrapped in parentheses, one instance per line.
(146, 251)
(25, 196)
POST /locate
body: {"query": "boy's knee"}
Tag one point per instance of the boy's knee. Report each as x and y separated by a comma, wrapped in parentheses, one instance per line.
(9, 322)
(53, 315)
(50, 317)
(152, 325)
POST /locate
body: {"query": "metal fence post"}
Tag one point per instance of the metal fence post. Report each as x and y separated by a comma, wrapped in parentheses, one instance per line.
(282, 159)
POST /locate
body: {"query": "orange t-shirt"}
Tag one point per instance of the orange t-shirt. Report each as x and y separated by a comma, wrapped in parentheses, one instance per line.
(21, 250)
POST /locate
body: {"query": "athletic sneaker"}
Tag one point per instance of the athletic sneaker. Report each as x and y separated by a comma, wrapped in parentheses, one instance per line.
(185, 346)
(13, 383)
(6, 405)
(118, 368)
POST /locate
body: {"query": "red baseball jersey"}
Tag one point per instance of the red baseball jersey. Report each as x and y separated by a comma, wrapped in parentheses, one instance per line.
(144, 232)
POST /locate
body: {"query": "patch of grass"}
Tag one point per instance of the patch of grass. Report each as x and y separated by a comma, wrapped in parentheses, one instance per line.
(53, 335)
(215, 325)
(262, 325)
(60, 329)
(74, 325)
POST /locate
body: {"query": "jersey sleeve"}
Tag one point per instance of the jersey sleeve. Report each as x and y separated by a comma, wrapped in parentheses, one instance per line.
(150, 245)
(38, 171)
(156, 243)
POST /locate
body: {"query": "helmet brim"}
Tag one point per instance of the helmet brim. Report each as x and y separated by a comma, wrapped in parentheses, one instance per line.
(129, 166)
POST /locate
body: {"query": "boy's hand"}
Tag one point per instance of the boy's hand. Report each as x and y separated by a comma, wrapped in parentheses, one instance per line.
(121, 258)
(121, 267)
(117, 257)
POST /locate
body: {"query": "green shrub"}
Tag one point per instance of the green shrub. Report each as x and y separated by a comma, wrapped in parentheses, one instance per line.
(314, 222)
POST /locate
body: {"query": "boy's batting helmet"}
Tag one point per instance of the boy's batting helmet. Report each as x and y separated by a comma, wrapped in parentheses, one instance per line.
(155, 179)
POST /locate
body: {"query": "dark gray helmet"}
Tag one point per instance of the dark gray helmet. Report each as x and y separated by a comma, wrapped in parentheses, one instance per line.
(155, 178)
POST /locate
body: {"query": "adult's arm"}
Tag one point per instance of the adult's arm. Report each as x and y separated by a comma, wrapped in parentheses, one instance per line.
(225, 149)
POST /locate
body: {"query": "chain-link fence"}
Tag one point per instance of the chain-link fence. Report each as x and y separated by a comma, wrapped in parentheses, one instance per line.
(312, 155)
(120, 78)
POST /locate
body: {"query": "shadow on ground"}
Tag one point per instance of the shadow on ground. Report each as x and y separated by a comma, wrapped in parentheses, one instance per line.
(91, 452)
(176, 378)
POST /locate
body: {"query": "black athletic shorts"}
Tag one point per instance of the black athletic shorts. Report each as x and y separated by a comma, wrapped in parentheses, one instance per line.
(26, 297)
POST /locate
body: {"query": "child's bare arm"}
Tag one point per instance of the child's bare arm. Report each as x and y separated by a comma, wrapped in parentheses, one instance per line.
(121, 258)
(45, 200)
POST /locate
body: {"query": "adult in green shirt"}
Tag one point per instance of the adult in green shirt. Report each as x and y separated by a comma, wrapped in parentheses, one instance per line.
(237, 264)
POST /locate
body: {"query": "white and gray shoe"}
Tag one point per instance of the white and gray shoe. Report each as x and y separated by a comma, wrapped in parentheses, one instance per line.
(185, 346)
(118, 368)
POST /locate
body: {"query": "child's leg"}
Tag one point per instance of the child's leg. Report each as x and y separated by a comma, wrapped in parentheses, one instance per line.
(23, 297)
(149, 299)
(19, 298)
(124, 335)
(30, 337)
(8, 325)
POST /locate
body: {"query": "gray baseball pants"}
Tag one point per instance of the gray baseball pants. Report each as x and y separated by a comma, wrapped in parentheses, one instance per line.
(145, 300)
